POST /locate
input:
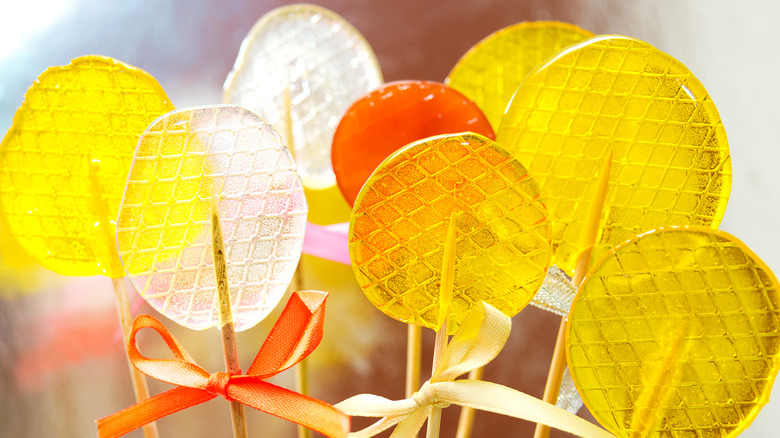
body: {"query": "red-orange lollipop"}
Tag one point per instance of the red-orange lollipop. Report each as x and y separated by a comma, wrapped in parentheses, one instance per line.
(391, 117)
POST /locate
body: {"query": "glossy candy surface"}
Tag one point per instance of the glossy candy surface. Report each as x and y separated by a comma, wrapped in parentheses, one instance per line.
(299, 68)
(164, 231)
(399, 223)
(391, 117)
(676, 333)
(671, 161)
(490, 72)
(64, 162)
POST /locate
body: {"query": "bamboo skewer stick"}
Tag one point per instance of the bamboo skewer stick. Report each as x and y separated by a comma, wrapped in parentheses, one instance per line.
(558, 363)
(413, 358)
(442, 335)
(226, 318)
(140, 387)
(302, 368)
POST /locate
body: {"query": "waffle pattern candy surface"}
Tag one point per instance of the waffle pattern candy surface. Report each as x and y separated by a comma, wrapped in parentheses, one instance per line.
(676, 333)
(300, 67)
(164, 231)
(64, 162)
(390, 117)
(400, 219)
(490, 72)
(671, 161)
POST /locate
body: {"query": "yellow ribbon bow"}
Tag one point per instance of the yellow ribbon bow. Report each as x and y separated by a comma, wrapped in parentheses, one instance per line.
(478, 341)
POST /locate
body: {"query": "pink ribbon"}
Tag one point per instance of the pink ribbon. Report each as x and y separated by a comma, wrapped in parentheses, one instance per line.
(327, 242)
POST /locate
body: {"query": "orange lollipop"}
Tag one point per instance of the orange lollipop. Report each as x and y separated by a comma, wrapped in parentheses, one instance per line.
(393, 116)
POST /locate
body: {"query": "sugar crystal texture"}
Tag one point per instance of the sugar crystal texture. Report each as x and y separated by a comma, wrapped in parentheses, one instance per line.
(400, 220)
(490, 72)
(671, 163)
(676, 333)
(392, 116)
(164, 231)
(300, 67)
(64, 162)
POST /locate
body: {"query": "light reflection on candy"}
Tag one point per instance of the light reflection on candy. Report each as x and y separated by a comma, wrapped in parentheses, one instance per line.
(399, 223)
(164, 233)
(671, 159)
(490, 72)
(689, 314)
(64, 162)
(300, 67)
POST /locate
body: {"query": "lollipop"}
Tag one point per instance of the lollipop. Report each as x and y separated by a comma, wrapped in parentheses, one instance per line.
(300, 67)
(490, 72)
(63, 164)
(675, 332)
(392, 116)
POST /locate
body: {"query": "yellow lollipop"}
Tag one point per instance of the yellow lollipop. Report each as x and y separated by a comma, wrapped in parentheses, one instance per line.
(675, 333)
(490, 72)
(400, 220)
(64, 162)
(610, 93)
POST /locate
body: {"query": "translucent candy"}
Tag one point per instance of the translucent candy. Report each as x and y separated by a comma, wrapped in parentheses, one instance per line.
(671, 161)
(490, 72)
(300, 67)
(399, 223)
(391, 117)
(64, 162)
(676, 333)
(164, 232)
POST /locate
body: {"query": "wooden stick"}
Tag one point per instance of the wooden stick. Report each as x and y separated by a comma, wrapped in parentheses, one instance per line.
(140, 388)
(442, 335)
(413, 358)
(558, 363)
(302, 368)
(466, 419)
(288, 120)
(229, 348)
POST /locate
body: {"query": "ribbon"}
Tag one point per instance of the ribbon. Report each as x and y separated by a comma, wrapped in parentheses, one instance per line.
(478, 341)
(327, 242)
(296, 333)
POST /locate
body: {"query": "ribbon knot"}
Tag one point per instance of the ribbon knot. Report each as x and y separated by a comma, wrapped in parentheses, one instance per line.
(296, 333)
(427, 396)
(478, 341)
(218, 384)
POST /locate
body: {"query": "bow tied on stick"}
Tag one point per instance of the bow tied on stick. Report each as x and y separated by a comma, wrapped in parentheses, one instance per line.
(478, 341)
(296, 333)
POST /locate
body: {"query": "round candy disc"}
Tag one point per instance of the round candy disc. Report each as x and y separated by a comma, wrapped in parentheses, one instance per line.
(300, 67)
(164, 231)
(490, 72)
(676, 333)
(671, 162)
(391, 117)
(64, 162)
(400, 220)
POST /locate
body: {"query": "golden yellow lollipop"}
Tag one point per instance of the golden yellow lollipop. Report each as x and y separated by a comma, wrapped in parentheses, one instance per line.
(611, 93)
(400, 220)
(490, 72)
(64, 162)
(675, 333)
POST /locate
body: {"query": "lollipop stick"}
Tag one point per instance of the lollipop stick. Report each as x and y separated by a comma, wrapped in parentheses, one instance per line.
(413, 358)
(288, 119)
(466, 419)
(140, 387)
(226, 318)
(302, 369)
(558, 364)
(447, 284)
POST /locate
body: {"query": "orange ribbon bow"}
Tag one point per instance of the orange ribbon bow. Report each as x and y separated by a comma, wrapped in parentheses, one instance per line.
(296, 333)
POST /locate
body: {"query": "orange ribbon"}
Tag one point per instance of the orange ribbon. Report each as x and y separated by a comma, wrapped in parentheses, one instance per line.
(296, 333)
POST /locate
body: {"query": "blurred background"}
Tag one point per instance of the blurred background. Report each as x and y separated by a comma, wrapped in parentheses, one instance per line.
(61, 363)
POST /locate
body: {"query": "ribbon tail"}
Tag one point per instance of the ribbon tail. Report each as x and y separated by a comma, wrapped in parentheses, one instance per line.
(411, 425)
(292, 406)
(496, 398)
(378, 427)
(149, 410)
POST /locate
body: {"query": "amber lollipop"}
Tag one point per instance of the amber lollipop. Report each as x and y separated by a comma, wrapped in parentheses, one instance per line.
(675, 332)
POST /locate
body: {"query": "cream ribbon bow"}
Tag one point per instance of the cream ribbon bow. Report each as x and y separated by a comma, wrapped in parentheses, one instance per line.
(478, 341)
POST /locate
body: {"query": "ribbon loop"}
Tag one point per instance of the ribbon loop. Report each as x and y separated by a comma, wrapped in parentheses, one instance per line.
(298, 331)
